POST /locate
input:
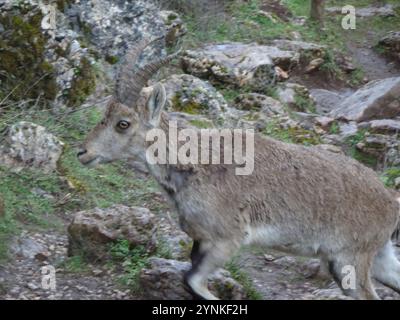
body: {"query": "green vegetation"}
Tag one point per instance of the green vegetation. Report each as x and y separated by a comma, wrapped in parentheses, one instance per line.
(34, 198)
(241, 277)
(25, 73)
(352, 142)
(291, 135)
(75, 264)
(133, 260)
(389, 176)
(83, 84)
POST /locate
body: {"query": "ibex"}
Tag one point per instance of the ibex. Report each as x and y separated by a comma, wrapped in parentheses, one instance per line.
(300, 200)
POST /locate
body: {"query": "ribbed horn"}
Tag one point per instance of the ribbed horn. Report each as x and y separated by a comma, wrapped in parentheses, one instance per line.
(143, 75)
(125, 90)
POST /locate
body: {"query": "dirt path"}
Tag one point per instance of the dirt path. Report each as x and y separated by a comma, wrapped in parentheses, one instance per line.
(280, 277)
(374, 65)
(275, 275)
(21, 278)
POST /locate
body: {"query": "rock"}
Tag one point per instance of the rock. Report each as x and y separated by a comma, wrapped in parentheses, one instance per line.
(326, 100)
(387, 10)
(26, 247)
(30, 145)
(65, 34)
(324, 122)
(348, 129)
(384, 126)
(377, 100)
(314, 65)
(238, 64)
(391, 44)
(91, 232)
(255, 101)
(306, 51)
(191, 95)
(397, 183)
(296, 97)
(163, 280)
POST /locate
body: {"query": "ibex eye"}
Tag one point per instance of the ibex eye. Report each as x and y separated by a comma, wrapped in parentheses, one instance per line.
(123, 125)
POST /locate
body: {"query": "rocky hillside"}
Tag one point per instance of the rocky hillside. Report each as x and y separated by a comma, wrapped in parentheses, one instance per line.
(262, 64)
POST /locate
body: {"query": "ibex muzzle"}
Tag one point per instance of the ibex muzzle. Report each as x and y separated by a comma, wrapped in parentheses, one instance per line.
(299, 200)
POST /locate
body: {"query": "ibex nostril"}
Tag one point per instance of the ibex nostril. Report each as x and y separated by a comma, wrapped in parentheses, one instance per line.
(81, 153)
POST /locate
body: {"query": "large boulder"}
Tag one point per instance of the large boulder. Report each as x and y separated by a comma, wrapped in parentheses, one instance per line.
(377, 100)
(307, 51)
(193, 96)
(325, 100)
(384, 126)
(296, 97)
(163, 280)
(238, 64)
(92, 231)
(29, 145)
(391, 44)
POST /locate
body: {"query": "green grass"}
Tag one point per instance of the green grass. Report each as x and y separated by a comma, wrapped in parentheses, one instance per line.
(291, 135)
(133, 260)
(33, 198)
(75, 264)
(389, 176)
(358, 155)
(241, 277)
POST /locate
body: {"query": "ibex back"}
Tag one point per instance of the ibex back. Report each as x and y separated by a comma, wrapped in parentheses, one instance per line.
(299, 200)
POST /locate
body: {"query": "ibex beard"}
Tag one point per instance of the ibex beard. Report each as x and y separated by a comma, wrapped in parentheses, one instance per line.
(300, 200)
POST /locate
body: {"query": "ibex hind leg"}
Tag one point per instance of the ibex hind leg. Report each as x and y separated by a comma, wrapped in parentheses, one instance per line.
(343, 266)
(386, 268)
(206, 258)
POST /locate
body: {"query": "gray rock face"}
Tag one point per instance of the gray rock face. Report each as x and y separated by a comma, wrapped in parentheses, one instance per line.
(26, 247)
(385, 126)
(306, 50)
(391, 44)
(257, 102)
(163, 280)
(296, 97)
(92, 231)
(30, 145)
(238, 64)
(97, 31)
(376, 100)
(326, 100)
(191, 95)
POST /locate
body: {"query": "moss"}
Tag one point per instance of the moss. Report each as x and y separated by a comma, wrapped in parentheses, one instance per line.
(25, 71)
(202, 124)
(292, 135)
(189, 107)
(112, 59)
(83, 84)
(389, 176)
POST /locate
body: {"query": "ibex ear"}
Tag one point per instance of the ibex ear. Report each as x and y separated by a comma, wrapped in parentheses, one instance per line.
(156, 103)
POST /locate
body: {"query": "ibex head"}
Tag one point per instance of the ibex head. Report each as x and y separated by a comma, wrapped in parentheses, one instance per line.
(131, 112)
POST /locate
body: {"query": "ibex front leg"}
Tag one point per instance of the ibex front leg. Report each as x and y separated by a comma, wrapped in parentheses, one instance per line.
(207, 257)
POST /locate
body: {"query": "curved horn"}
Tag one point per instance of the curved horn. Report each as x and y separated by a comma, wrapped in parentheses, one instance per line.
(144, 74)
(125, 89)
